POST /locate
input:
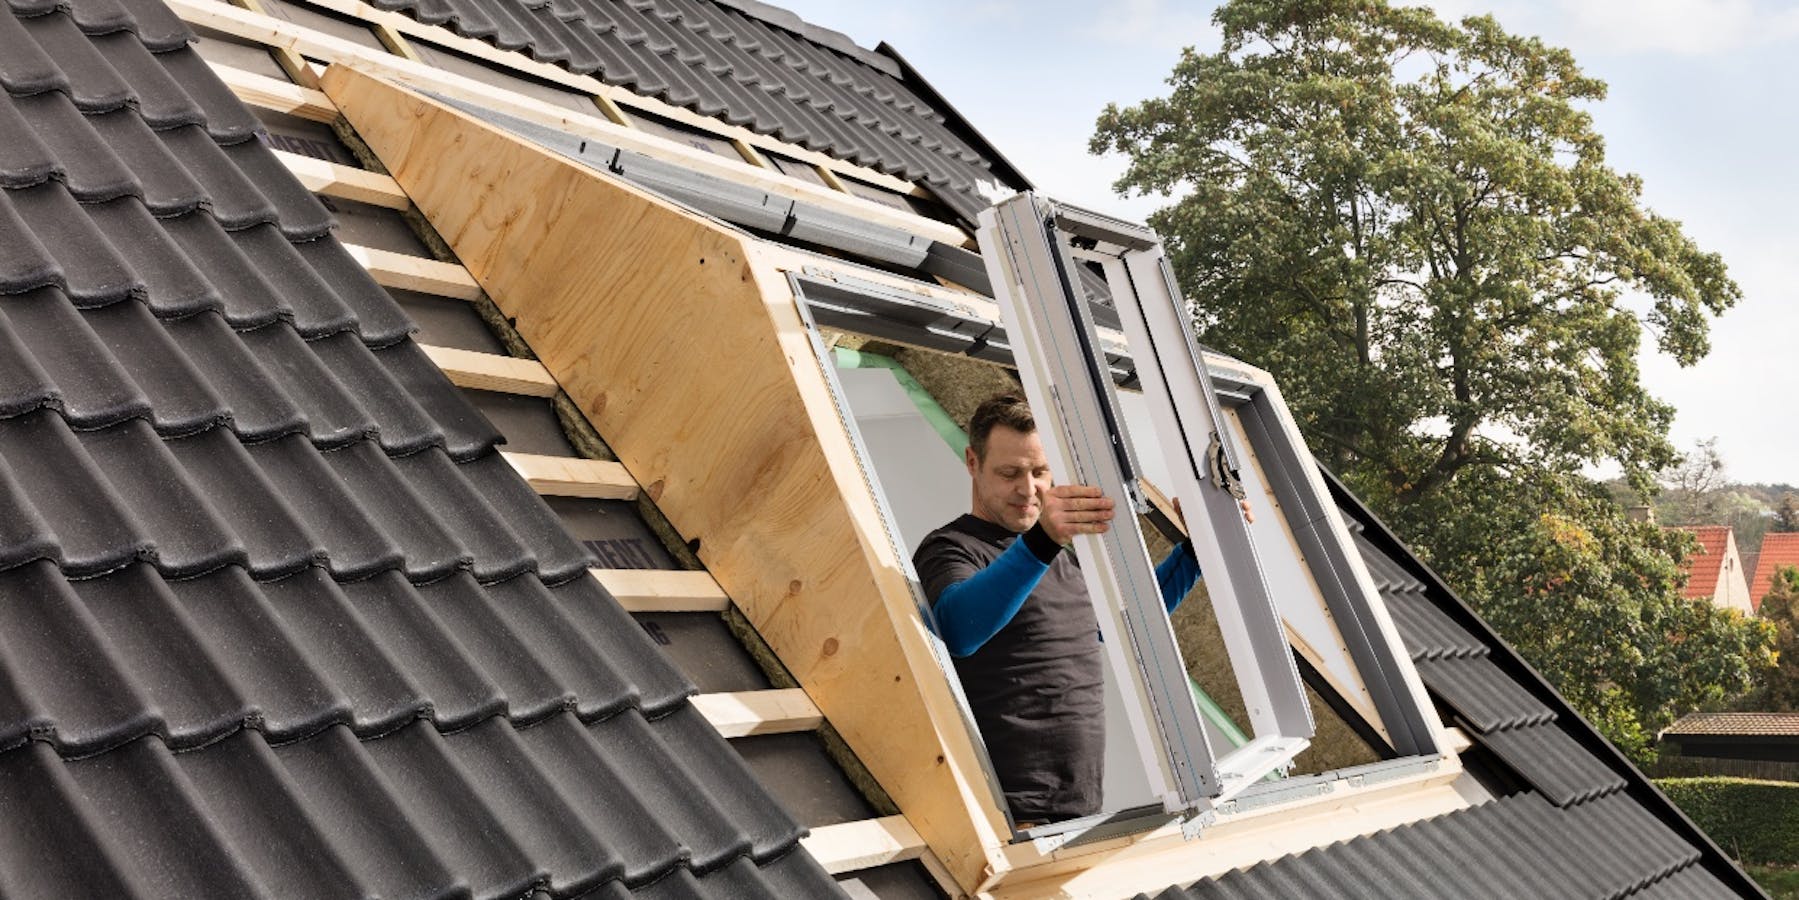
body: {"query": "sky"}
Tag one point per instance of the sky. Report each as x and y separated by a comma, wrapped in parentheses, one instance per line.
(1703, 103)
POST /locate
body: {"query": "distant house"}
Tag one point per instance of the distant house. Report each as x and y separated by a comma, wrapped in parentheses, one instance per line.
(1779, 550)
(1757, 736)
(1715, 571)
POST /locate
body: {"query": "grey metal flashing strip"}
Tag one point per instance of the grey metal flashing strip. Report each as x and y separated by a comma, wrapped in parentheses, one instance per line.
(963, 267)
(738, 204)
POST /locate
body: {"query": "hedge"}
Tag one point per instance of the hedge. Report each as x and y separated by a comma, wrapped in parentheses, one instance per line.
(1755, 821)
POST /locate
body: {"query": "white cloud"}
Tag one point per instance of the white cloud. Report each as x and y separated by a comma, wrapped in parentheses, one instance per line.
(1689, 27)
(1153, 24)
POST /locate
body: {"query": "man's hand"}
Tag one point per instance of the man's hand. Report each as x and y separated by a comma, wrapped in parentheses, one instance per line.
(1068, 510)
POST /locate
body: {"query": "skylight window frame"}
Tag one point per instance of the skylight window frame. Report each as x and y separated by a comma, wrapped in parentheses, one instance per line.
(1030, 246)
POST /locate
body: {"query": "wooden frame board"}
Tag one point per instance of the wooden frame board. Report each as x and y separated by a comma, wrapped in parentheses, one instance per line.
(684, 347)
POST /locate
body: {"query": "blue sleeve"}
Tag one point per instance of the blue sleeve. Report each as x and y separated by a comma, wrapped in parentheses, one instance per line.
(1177, 574)
(970, 612)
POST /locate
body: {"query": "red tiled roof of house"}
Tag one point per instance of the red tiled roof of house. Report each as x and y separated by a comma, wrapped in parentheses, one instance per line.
(1706, 565)
(1778, 551)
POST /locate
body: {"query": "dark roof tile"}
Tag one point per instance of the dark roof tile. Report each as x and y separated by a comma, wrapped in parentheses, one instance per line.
(1554, 763)
(273, 533)
(227, 120)
(559, 557)
(157, 25)
(187, 537)
(247, 794)
(90, 169)
(154, 642)
(406, 424)
(266, 588)
(25, 158)
(301, 215)
(364, 820)
(48, 825)
(86, 75)
(256, 407)
(160, 101)
(458, 691)
(69, 690)
(300, 292)
(24, 66)
(291, 696)
(379, 320)
(463, 608)
(1486, 697)
(91, 270)
(231, 196)
(334, 416)
(347, 526)
(393, 508)
(96, 532)
(497, 551)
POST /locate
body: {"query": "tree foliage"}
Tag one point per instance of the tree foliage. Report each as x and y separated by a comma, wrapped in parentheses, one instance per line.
(1412, 224)
(1780, 609)
(1786, 514)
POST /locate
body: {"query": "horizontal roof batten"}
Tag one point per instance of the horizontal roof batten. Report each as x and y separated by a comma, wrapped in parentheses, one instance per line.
(493, 372)
(748, 713)
(276, 94)
(344, 182)
(568, 476)
(406, 272)
(662, 590)
(864, 844)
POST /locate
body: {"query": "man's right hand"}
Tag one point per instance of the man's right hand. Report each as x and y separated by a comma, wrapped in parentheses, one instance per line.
(1068, 510)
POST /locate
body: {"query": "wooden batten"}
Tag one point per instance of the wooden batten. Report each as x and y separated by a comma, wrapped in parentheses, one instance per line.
(683, 345)
(275, 94)
(660, 590)
(851, 846)
(416, 273)
(493, 372)
(745, 713)
(568, 476)
(344, 182)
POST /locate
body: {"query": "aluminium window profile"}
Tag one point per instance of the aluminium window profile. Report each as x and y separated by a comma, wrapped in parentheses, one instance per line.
(1029, 245)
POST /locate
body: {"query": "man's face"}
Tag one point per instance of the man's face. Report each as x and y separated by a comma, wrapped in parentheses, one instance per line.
(1007, 479)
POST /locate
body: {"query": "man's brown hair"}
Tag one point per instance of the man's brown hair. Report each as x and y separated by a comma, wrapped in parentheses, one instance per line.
(1006, 409)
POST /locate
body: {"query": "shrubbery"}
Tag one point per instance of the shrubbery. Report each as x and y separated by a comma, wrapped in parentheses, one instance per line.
(1755, 821)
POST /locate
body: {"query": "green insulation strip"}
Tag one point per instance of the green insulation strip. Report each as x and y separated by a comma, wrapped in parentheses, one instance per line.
(939, 420)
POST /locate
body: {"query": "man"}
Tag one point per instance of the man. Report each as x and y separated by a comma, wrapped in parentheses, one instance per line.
(1014, 612)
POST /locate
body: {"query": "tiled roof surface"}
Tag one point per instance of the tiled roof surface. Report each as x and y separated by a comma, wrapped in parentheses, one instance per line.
(1779, 550)
(1575, 826)
(276, 618)
(718, 61)
(1775, 724)
(1706, 565)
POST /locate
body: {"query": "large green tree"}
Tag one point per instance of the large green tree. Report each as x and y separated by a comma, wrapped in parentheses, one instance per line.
(1412, 224)
(1780, 609)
